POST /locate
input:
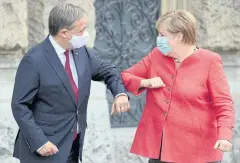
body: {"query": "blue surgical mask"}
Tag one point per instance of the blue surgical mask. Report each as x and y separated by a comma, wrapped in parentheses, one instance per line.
(162, 44)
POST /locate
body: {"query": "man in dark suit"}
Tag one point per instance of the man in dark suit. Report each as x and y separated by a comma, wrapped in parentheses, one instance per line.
(52, 88)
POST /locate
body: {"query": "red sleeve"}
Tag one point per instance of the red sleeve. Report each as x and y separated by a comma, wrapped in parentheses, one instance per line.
(221, 98)
(132, 77)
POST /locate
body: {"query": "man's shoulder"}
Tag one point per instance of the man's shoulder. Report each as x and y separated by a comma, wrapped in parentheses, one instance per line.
(35, 53)
(35, 50)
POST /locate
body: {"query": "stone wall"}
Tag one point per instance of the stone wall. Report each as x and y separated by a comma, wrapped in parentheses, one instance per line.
(218, 24)
(13, 29)
(23, 23)
(8, 127)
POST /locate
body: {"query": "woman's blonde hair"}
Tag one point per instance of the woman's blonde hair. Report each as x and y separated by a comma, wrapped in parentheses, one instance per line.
(179, 21)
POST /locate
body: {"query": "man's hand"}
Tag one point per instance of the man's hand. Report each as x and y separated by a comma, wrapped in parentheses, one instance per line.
(120, 104)
(223, 145)
(152, 83)
(48, 149)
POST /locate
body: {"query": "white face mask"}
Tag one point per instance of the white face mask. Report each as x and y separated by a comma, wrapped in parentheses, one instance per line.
(79, 41)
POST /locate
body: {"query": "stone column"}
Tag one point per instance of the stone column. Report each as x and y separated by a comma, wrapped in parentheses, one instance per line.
(218, 24)
(168, 5)
(13, 29)
(35, 9)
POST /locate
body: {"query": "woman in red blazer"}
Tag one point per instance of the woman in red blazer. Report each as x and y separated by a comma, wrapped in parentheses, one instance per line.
(189, 112)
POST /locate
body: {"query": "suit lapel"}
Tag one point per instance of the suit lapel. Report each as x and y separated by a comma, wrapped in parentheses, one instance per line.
(57, 66)
(80, 61)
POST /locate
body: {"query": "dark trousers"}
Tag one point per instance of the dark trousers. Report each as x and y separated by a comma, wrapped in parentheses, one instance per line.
(158, 161)
(74, 154)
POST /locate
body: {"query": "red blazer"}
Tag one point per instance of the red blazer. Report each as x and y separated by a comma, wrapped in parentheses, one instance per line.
(189, 115)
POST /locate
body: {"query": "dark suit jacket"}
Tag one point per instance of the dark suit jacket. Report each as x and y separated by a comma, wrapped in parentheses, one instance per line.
(43, 102)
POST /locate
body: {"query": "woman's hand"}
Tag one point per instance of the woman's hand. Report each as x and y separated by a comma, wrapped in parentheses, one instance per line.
(152, 83)
(223, 145)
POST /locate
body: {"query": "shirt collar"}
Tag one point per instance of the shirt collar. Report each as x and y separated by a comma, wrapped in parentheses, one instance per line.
(59, 50)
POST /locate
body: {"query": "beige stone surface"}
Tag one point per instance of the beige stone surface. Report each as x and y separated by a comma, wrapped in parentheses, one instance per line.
(167, 5)
(13, 29)
(122, 144)
(24, 23)
(8, 127)
(99, 140)
(218, 24)
(35, 22)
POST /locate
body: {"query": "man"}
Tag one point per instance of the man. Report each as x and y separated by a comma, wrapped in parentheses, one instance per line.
(52, 88)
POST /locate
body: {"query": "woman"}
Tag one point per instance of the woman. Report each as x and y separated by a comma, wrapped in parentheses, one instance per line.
(189, 114)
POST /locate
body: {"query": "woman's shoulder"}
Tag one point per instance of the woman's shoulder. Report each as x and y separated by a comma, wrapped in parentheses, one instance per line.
(154, 52)
(207, 54)
(157, 54)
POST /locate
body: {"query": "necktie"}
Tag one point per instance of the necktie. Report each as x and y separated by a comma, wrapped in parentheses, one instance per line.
(70, 76)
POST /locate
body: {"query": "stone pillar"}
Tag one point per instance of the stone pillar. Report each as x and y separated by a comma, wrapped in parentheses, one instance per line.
(13, 29)
(35, 10)
(218, 24)
(168, 5)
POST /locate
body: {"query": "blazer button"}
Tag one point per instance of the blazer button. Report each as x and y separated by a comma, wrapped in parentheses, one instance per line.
(165, 114)
(28, 144)
(169, 88)
(166, 100)
(79, 160)
(173, 76)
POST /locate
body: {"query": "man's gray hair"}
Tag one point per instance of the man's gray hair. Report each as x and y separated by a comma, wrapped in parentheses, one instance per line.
(63, 16)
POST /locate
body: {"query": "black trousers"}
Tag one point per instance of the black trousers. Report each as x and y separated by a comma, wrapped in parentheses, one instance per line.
(74, 154)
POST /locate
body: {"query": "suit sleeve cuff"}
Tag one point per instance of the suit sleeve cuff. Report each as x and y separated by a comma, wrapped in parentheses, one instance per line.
(136, 81)
(40, 148)
(121, 94)
(34, 145)
(225, 133)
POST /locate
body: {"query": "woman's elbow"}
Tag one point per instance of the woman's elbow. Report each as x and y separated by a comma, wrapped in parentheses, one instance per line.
(125, 77)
